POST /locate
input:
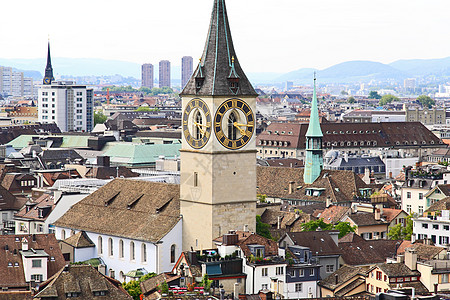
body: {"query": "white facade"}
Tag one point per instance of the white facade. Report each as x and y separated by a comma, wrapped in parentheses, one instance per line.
(68, 105)
(395, 165)
(299, 290)
(259, 277)
(435, 228)
(120, 258)
(14, 84)
(414, 200)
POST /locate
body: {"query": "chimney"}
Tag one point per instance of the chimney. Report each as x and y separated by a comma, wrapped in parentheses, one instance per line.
(246, 228)
(279, 222)
(411, 259)
(291, 187)
(328, 203)
(400, 259)
(24, 244)
(336, 279)
(390, 175)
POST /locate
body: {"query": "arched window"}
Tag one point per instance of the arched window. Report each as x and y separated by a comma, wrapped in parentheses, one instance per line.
(143, 252)
(72, 232)
(63, 234)
(172, 253)
(132, 256)
(199, 120)
(100, 245)
(232, 131)
(121, 249)
(110, 247)
(121, 276)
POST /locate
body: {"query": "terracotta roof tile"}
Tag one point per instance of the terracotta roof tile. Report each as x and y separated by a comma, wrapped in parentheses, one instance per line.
(79, 240)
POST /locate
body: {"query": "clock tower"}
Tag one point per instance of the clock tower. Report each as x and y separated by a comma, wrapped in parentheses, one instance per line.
(314, 159)
(218, 156)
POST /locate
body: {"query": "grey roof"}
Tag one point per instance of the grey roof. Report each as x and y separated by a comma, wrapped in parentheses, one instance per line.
(217, 65)
(33, 253)
(356, 162)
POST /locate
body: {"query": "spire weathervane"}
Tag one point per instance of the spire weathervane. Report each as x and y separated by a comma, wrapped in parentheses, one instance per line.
(48, 77)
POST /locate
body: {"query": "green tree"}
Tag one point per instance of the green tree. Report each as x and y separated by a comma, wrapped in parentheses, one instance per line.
(374, 95)
(400, 232)
(146, 108)
(262, 228)
(426, 101)
(344, 93)
(351, 100)
(387, 99)
(343, 227)
(99, 118)
(133, 287)
(206, 283)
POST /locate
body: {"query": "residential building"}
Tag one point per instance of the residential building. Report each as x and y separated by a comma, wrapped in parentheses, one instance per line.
(82, 281)
(374, 116)
(439, 192)
(14, 83)
(147, 75)
(357, 164)
(31, 218)
(164, 73)
(112, 217)
(345, 282)
(186, 69)
(28, 260)
(368, 225)
(68, 105)
(77, 247)
(436, 228)
(417, 184)
(322, 244)
(9, 205)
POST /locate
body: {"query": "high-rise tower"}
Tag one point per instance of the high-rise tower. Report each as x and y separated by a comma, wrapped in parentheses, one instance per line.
(147, 75)
(218, 156)
(314, 155)
(48, 77)
(186, 69)
(164, 73)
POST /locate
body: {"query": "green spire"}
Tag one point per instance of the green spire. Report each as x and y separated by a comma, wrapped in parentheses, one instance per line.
(314, 124)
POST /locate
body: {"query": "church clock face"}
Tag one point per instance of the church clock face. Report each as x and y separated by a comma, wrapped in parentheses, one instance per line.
(197, 123)
(234, 124)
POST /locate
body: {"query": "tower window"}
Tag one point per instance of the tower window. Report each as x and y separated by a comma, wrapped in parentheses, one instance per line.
(232, 131)
(195, 179)
(199, 121)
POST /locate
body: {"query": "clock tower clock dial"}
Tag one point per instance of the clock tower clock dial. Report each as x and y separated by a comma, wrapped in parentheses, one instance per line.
(234, 124)
(196, 123)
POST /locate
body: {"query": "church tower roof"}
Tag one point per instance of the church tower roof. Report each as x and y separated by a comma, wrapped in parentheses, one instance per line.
(219, 72)
(48, 77)
(314, 129)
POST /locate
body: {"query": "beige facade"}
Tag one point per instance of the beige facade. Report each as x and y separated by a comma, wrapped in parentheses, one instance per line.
(426, 116)
(377, 281)
(218, 185)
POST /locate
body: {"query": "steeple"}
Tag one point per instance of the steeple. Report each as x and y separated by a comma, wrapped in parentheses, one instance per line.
(48, 77)
(314, 155)
(314, 129)
(219, 72)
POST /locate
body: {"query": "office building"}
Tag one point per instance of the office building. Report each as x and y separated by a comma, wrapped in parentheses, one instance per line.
(68, 105)
(164, 73)
(186, 69)
(147, 75)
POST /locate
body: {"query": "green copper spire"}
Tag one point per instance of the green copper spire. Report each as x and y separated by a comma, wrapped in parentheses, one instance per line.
(313, 159)
(314, 129)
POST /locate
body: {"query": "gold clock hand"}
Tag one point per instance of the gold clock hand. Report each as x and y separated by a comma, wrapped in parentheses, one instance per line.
(242, 131)
(246, 125)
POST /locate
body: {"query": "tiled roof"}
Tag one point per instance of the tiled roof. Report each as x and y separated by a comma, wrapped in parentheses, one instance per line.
(344, 274)
(443, 204)
(271, 247)
(340, 186)
(83, 279)
(45, 202)
(333, 213)
(9, 202)
(317, 241)
(14, 276)
(108, 172)
(360, 252)
(390, 214)
(397, 270)
(426, 252)
(127, 208)
(365, 219)
(79, 240)
(150, 284)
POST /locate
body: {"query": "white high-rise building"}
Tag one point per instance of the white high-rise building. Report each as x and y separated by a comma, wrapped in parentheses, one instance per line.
(68, 105)
(14, 83)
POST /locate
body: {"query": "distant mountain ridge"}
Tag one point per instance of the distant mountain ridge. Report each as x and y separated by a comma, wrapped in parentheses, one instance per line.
(346, 72)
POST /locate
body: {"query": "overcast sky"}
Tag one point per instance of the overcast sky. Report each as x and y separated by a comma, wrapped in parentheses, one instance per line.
(269, 35)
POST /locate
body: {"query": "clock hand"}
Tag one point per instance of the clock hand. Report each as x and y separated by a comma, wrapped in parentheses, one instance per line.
(242, 131)
(199, 126)
(246, 125)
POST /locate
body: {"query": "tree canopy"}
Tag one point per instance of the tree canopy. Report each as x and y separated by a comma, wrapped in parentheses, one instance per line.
(144, 90)
(374, 95)
(400, 232)
(262, 228)
(343, 227)
(426, 101)
(387, 99)
(99, 118)
(146, 108)
(351, 100)
(133, 287)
